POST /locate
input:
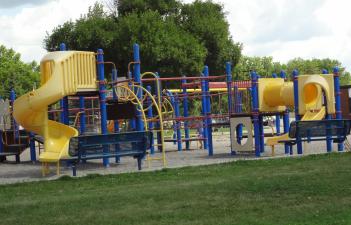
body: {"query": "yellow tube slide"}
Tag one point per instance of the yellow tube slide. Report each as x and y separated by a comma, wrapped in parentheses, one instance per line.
(62, 74)
(310, 95)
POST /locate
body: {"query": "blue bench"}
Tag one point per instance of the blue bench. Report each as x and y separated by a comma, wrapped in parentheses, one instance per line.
(318, 130)
(100, 146)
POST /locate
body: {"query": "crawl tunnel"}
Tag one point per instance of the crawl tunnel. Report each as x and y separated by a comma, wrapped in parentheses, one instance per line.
(311, 88)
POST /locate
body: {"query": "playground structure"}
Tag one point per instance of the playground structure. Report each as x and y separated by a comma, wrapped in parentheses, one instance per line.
(68, 76)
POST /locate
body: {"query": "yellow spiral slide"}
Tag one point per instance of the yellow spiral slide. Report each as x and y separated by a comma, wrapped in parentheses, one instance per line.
(62, 74)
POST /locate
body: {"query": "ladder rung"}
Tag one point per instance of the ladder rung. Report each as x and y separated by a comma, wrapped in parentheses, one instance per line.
(154, 158)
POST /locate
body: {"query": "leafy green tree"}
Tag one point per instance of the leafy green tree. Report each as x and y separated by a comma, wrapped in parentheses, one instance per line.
(315, 66)
(163, 7)
(91, 31)
(206, 21)
(16, 74)
(264, 66)
(167, 44)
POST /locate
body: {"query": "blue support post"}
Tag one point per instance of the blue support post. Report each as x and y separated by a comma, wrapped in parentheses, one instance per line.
(33, 155)
(64, 101)
(137, 79)
(12, 100)
(296, 106)
(277, 115)
(239, 128)
(114, 96)
(102, 97)
(337, 100)
(228, 71)
(115, 122)
(150, 115)
(286, 123)
(240, 110)
(131, 122)
(208, 112)
(255, 112)
(82, 115)
(204, 109)
(260, 122)
(328, 117)
(178, 124)
(186, 114)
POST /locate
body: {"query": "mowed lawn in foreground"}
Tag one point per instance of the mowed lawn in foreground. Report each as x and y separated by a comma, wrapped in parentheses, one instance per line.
(306, 190)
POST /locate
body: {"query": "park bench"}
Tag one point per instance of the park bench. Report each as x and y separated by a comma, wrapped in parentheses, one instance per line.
(87, 147)
(13, 144)
(335, 130)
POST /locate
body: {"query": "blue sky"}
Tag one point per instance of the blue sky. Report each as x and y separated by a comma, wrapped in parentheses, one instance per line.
(284, 29)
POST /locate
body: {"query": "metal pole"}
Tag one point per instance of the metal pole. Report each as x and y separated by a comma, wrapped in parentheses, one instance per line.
(239, 128)
(286, 122)
(260, 122)
(158, 126)
(186, 114)
(208, 113)
(82, 115)
(12, 100)
(296, 103)
(255, 112)
(114, 96)
(150, 115)
(228, 71)
(328, 117)
(277, 115)
(64, 101)
(115, 122)
(139, 121)
(204, 110)
(102, 96)
(178, 124)
(337, 100)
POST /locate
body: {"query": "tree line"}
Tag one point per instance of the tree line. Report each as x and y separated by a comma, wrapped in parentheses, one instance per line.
(175, 39)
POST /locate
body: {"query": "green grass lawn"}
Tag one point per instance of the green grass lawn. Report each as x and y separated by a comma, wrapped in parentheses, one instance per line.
(308, 190)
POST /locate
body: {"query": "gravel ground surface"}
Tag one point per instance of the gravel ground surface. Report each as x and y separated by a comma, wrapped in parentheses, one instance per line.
(28, 171)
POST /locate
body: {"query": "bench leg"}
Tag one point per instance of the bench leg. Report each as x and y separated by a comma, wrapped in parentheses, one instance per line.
(45, 169)
(74, 169)
(139, 163)
(58, 168)
(273, 153)
(18, 159)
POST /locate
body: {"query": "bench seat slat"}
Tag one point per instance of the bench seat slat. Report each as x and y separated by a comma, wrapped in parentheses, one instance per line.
(318, 130)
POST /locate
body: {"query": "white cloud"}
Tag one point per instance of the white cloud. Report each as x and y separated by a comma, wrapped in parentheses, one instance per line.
(17, 3)
(284, 29)
(287, 29)
(26, 30)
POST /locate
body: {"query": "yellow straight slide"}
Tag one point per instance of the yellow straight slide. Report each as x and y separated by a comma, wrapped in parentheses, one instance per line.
(309, 115)
(62, 73)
